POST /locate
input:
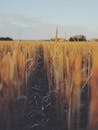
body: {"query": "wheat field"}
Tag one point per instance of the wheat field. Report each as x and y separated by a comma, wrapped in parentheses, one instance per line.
(68, 70)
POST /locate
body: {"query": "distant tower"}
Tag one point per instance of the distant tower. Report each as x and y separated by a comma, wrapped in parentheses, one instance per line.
(56, 35)
(65, 37)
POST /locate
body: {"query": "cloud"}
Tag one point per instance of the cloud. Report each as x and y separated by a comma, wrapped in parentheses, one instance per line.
(18, 26)
(18, 19)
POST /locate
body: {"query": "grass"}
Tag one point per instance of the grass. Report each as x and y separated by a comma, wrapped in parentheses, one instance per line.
(70, 67)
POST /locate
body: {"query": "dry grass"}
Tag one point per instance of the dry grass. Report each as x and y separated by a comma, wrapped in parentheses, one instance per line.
(68, 65)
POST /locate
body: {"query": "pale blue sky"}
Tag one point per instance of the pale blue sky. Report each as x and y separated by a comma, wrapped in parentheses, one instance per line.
(37, 19)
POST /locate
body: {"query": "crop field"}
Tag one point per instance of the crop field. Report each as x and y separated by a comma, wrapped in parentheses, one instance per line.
(48, 85)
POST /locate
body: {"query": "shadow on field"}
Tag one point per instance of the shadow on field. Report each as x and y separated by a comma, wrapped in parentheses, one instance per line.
(40, 106)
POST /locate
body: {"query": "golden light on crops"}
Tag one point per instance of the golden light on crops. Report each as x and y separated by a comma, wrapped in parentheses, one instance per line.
(69, 67)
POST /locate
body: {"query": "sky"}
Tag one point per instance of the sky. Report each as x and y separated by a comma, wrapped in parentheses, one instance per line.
(38, 19)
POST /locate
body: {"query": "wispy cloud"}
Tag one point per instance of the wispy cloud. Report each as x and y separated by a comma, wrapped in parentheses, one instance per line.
(18, 19)
(24, 27)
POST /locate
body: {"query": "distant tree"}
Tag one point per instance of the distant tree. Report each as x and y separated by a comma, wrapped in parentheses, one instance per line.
(71, 39)
(6, 39)
(96, 40)
(78, 38)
